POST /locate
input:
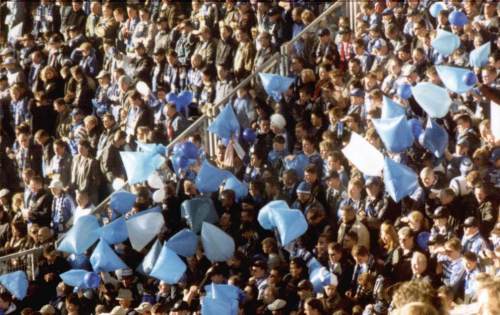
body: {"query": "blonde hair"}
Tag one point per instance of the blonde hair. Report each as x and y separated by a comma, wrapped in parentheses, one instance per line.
(389, 230)
(308, 75)
(17, 199)
(86, 46)
(416, 308)
(43, 73)
(416, 216)
(307, 17)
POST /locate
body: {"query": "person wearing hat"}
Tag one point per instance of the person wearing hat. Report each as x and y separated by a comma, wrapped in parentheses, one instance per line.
(101, 102)
(326, 48)
(466, 131)
(357, 96)
(472, 241)
(63, 206)
(277, 28)
(277, 307)
(144, 308)
(382, 54)
(125, 300)
(441, 224)
(304, 197)
(15, 74)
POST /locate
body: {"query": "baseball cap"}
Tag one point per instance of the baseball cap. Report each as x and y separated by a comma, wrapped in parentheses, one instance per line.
(143, 307)
(357, 92)
(304, 188)
(56, 183)
(387, 12)
(125, 294)
(471, 222)
(324, 32)
(440, 212)
(4, 192)
(102, 74)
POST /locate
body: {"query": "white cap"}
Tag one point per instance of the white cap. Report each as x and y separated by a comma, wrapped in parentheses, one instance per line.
(55, 183)
(4, 192)
(278, 121)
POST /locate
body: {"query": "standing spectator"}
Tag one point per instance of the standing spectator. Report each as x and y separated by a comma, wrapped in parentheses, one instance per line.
(85, 173)
(39, 203)
(63, 207)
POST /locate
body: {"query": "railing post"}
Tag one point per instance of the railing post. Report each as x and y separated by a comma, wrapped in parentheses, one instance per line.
(32, 265)
(283, 63)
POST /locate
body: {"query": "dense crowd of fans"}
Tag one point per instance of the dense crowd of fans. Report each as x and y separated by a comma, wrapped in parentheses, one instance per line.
(70, 103)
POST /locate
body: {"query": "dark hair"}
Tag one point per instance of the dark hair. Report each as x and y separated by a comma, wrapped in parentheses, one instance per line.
(316, 304)
(6, 297)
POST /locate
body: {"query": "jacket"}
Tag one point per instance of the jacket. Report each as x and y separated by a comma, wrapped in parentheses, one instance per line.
(61, 167)
(86, 175)
(359, 228)
(243, 60)
(111, 164)
(40, 208)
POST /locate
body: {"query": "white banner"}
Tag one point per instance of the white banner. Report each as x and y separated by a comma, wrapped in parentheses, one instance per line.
(364, 156)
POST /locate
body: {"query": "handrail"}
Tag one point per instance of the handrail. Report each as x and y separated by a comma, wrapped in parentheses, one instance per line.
(315, 23)
(198, 122)
(22, 253)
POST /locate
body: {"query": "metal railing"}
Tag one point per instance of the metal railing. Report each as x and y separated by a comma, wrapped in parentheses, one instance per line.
(278, 63)
(307, 37)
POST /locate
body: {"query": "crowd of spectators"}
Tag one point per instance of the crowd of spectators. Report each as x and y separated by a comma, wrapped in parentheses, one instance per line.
(69, 103)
